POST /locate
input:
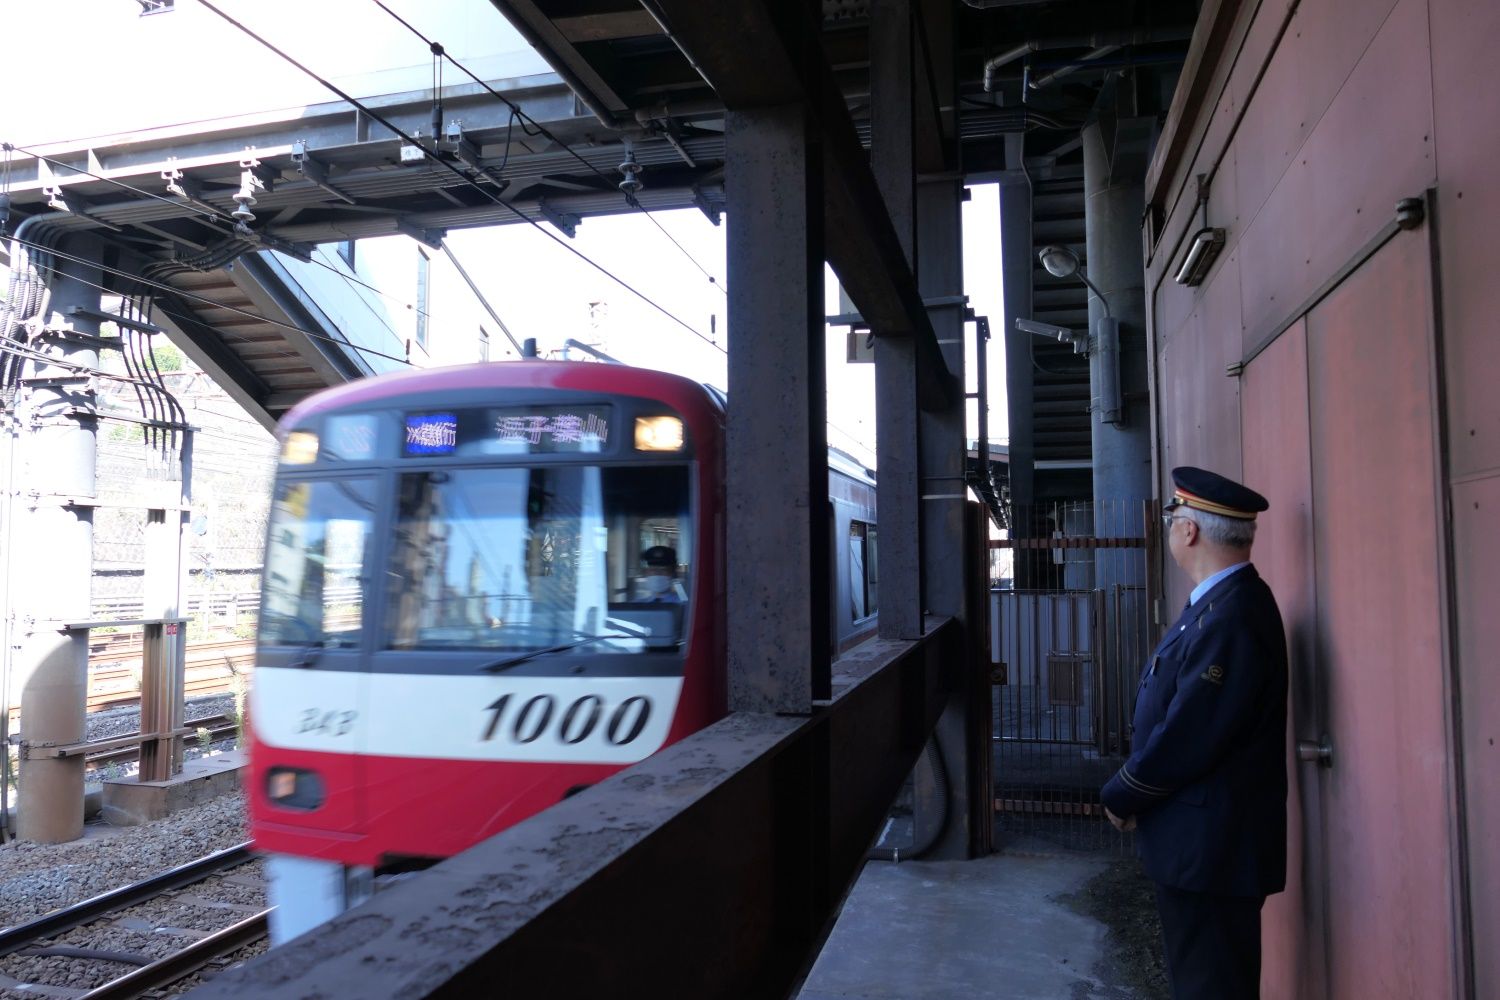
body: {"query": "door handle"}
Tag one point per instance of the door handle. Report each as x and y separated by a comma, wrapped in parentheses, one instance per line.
(1320, 752)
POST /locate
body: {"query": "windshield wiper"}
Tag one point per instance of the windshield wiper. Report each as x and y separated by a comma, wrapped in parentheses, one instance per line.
(510, 661)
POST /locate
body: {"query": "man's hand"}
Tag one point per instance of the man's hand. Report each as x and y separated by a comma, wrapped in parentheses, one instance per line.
(1123, 825)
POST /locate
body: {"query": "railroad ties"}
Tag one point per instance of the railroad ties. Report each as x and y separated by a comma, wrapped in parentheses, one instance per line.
(141, 937)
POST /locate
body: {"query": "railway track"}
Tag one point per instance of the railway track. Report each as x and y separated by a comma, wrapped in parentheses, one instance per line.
(89, 935)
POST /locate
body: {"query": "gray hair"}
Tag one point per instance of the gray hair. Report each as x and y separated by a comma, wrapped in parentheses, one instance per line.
(1231, 532)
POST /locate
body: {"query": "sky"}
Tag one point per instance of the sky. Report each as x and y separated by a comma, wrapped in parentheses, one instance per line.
(207, 69)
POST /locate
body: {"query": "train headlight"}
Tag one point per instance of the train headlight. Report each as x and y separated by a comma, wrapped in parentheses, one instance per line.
(294, 788)
(299, 448)
(658, 434)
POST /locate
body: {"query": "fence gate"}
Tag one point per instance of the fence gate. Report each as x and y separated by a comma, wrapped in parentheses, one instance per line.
(1067, 657)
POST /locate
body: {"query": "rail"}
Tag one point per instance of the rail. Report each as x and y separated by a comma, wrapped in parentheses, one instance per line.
(13, 939)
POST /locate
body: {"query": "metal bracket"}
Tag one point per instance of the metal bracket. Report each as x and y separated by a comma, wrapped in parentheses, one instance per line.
(1410, 213)
(1234, 369)
(315, 171)
(566, 222)
(430, 237)
(705, 206)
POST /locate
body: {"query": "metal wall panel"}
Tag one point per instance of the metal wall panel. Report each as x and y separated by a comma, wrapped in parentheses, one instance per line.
(1200, 405)
(1464, 35)
(1371, 148)
(1380, 631)
(1468, 203)
(1316, 55)
(1476, 570)
(1278, 464)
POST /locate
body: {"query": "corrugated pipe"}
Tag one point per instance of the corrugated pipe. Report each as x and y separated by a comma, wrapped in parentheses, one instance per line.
(1098, 40)
(933, 754)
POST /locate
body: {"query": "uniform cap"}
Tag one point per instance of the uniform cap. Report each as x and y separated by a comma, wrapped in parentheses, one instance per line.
(659, 557)
(1211, 492)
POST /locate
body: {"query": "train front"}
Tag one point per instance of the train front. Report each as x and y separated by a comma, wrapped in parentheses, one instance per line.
(484, 590)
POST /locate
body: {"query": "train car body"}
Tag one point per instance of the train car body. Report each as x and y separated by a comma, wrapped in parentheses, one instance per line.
(487, 588)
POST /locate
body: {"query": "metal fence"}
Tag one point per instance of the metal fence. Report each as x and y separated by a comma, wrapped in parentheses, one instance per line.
(1067, 656)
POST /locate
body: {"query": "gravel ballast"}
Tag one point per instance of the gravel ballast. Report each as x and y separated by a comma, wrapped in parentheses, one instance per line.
(36, 879)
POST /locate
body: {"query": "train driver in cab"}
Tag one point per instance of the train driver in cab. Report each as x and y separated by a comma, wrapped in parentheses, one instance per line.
(659, 576)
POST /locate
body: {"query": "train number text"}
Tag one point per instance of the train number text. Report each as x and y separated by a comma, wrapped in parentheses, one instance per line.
(334, 723)
(527, 721)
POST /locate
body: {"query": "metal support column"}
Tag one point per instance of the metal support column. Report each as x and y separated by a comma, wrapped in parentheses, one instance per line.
(54, 558)
(1016, 266)
(777, 438)
(1113, 178)
(898, 446)
(164, 646)
(943, 496)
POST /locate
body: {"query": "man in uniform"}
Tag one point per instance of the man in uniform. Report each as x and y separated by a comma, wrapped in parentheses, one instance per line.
(1205, 786)
(659, 575)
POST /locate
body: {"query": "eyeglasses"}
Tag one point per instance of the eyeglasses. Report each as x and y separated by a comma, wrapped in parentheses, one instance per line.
(1168, 517)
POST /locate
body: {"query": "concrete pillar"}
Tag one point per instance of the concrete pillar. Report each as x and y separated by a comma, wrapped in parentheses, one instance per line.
(777, 438)
(898, 443)
(1114, 202)
(54, 564)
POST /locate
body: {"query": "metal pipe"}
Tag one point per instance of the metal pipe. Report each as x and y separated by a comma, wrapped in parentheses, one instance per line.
(1046, 78)
(1098, 40)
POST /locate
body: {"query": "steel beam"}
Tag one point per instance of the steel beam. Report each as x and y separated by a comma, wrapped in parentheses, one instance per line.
(898, 447)
(777, 438)
(944, 500)
(1015, 276)
(759, 54)
(705, 871)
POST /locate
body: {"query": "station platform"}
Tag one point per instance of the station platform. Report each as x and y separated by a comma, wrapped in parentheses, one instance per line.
(1032, 922)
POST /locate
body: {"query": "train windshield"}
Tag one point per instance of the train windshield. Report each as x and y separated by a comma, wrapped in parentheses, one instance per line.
(517, 559)
(320, 542)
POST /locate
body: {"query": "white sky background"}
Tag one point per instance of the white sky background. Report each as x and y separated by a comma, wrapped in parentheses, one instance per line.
(538, 288)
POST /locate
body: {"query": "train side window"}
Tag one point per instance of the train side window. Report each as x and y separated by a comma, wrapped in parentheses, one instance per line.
(864, 581)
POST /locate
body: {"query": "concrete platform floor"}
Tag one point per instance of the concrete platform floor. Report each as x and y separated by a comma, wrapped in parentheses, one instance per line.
(1002, 927)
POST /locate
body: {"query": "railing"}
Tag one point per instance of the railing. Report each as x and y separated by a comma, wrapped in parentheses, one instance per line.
(708, 870)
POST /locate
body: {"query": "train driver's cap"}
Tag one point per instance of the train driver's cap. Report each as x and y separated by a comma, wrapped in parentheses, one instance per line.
(659, 557)
(1211, 492)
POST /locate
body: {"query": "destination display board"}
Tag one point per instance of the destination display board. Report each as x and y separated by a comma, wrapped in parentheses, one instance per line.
(507, 430)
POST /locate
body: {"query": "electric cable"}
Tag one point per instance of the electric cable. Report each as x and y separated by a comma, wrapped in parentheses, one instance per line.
(464, 176)
(438, 49)
(217, 305)
(205, 213)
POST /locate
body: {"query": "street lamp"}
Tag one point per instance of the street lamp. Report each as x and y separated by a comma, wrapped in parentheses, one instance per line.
(1062, 262)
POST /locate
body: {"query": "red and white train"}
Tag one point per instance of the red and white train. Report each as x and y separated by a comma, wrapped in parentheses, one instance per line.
(485, 589)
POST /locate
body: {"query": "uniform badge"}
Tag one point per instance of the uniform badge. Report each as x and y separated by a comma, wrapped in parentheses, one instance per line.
(1214, 675)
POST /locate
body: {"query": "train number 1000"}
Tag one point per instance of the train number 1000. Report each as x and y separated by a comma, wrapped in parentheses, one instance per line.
(538, 714)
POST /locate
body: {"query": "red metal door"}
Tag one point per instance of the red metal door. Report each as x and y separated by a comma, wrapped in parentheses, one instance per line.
(1386, 811)
(1338, 422)
(1274, 415)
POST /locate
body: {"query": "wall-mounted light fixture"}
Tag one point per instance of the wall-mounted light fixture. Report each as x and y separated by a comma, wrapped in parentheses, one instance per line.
(1036, 328)
(1207, 243)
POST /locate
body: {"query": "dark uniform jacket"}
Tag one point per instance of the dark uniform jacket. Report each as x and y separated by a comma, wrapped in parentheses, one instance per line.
(1206, 779)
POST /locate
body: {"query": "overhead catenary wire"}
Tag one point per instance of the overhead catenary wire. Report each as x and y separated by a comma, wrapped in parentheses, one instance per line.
(537, 128)
(435, 158)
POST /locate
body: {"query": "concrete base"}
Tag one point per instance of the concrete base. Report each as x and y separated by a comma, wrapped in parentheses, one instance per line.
(132, 803)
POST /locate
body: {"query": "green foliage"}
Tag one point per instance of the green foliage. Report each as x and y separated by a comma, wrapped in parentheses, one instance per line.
(168, 358)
